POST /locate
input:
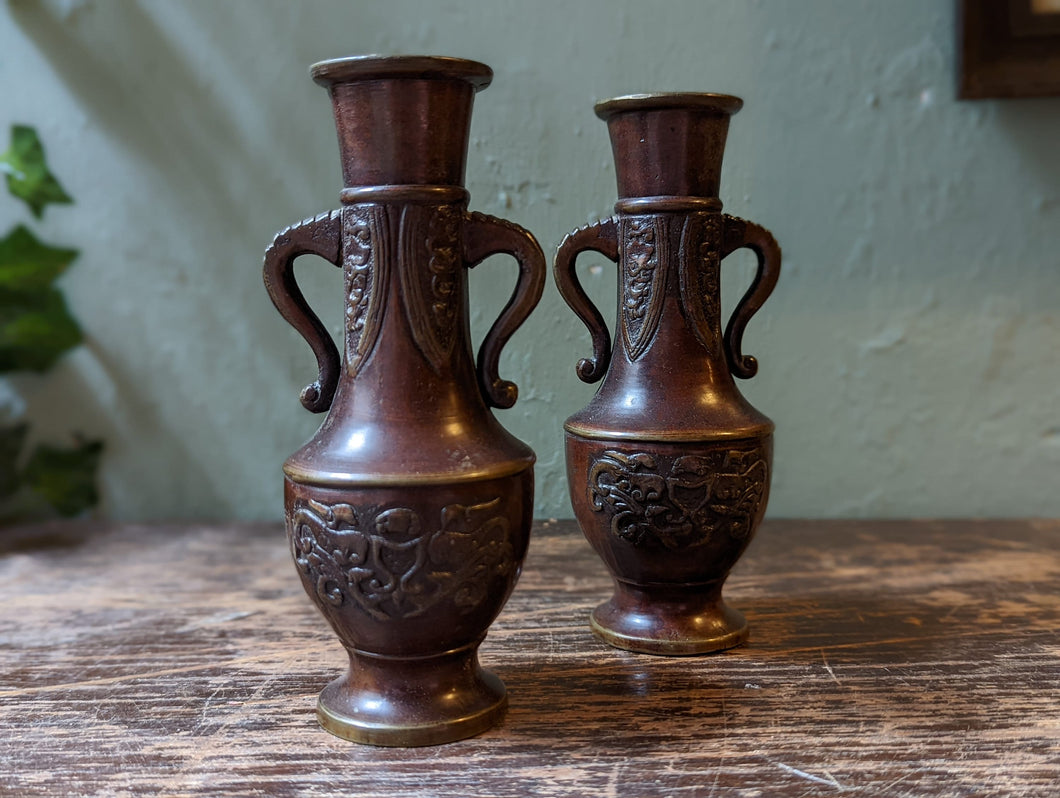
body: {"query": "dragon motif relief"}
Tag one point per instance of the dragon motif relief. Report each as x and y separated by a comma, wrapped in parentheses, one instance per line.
(431, 233)
(391, 565)
(644, 280)
(680, 503)
(365, 265)
(700, 272)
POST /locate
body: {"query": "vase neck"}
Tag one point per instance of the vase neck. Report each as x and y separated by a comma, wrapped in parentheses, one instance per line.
(668, 145)
(402, 120)
(670, 292)
(668, 377)
(406, 291)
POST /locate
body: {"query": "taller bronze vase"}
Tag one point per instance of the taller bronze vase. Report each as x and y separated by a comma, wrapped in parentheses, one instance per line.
(408, 512)
(668, 465)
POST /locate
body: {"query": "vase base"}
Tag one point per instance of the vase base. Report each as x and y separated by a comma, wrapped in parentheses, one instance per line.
(668, 627)
(415, 704)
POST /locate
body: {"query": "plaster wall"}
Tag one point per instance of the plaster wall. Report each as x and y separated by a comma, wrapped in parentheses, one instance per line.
(910, 355)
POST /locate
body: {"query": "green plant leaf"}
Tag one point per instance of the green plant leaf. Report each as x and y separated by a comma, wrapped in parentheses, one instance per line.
(12, 438)
(35, 330)
(28, 176)
(65, 478)
(27, 265)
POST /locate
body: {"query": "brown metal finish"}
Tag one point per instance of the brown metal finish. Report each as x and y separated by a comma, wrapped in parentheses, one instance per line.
(410, 114)
(668, 144)
(669, 465)
(409, 510)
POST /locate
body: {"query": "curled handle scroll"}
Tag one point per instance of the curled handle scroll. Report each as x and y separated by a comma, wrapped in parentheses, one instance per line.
(484, 236)
(740, 233)
(321, 235)
(600, 237)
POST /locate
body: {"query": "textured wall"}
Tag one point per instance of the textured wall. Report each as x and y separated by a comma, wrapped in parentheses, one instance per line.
(911, 353)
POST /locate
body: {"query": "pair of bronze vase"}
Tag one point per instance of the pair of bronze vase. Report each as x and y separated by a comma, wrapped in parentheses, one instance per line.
(409, 510)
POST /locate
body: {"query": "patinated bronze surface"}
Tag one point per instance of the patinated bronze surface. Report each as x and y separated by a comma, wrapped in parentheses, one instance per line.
(668, 465)
(409, 511)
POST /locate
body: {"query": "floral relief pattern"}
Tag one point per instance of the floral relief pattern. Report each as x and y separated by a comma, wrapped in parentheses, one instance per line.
(391, 565)
(700, 271)
(443, 244)
(683, 502)
(430, 265)
(365, 271)
(643, 283)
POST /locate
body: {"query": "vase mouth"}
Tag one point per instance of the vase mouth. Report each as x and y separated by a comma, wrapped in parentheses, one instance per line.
(378, 67)
(723, 104)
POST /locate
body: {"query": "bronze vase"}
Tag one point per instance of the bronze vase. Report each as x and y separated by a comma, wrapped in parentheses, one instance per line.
(668, 465)
(409, 510)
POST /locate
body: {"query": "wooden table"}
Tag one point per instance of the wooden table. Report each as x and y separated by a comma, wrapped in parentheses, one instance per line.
(886, 658)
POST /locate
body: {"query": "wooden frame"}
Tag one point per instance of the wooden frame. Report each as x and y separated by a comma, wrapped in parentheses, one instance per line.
(1008, 48)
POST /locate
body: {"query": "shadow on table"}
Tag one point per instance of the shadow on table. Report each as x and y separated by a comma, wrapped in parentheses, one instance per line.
(857, 658)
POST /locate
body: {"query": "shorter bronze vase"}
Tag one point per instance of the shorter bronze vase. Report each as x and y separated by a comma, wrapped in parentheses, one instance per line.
(668, 465)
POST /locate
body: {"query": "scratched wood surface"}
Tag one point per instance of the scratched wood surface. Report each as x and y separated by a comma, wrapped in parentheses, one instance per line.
(886, 658)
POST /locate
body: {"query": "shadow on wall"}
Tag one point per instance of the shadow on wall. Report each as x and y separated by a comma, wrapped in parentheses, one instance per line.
(148, 108)
(197, 151)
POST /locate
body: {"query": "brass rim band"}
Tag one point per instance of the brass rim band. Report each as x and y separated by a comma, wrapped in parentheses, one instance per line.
(664, 204)
(412, 193)
(666, 647)
(446, 731)
(347, 480)
(755, 432)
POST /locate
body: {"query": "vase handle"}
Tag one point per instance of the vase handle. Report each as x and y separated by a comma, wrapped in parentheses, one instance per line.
(600, 237)
(321, 235)
(740, 233)
(486, 235)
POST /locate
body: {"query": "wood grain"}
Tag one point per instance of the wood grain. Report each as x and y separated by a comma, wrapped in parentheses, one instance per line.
(886, 658)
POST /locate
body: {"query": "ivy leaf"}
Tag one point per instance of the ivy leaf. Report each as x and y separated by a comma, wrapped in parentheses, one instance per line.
(36, 327)
(12, 437)
(65, 478)
(35, 330)
(27, 265)
(28, 176)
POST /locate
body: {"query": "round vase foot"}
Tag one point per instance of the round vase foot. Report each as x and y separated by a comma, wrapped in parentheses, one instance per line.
(409, 703)
(670, 622)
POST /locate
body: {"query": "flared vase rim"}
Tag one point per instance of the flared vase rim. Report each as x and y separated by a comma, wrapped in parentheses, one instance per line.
(377, 67)
(726, 104)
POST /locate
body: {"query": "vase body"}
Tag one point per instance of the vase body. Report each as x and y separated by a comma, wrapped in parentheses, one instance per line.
(668, 465)
(408, 512)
